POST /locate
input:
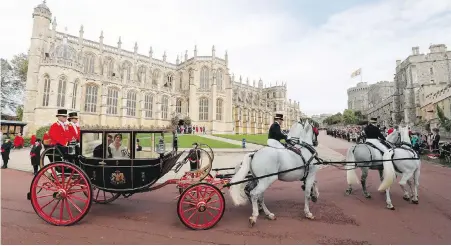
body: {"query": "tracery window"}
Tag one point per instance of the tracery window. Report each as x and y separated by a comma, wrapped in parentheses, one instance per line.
(91, 98)
(169, 79)
(203, 108)
(46, 94)
(148, 105)
(109, 67)
(204, 77)
(112, 100)
(126, 70)
(61, 98)
(219, 106)
(131, 103)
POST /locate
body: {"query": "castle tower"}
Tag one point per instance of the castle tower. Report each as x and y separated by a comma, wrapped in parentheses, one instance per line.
(42, 17)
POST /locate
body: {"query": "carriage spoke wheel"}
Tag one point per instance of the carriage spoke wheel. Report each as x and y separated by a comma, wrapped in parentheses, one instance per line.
(103, 197)
(201, 206)
(65, 198)
(183, 183)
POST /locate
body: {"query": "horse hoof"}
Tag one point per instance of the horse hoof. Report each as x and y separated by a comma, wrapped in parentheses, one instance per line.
(271, 217)
(367, 196)
(415, 201)
(310, 216)
(348, 192)
(391, 207)
(314, 199)
(406, 198)
(251, 222)
(303, 187)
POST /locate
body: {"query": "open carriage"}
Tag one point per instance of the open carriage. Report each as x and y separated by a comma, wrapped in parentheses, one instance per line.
(106, 164)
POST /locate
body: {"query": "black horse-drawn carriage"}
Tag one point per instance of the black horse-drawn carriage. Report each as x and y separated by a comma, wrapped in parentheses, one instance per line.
(105, 165)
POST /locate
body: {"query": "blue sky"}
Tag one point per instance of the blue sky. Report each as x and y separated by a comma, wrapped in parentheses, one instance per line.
(313, 46)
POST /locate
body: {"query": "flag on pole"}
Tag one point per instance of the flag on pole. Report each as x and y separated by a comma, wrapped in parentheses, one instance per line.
(356, 73)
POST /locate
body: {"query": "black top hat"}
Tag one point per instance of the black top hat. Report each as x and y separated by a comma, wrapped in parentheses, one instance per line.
(278, 117)
(373, 120)
(61, 112)
(73, 115)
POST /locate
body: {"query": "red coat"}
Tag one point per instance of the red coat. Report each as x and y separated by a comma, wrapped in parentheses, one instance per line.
(59, 134)
(18, 141)
(33, 140)
(46, 139)
(74, 133)
(315, 130)
(390, 131)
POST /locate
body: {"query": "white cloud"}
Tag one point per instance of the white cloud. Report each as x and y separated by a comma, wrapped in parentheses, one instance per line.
(262, 40)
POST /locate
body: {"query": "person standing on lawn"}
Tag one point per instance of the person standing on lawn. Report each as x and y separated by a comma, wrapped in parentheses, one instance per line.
(6, 150)
(35, 155)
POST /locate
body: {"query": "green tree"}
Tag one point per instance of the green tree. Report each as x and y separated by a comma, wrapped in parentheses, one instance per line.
(19, 113)
(13, 78)
(349, 117)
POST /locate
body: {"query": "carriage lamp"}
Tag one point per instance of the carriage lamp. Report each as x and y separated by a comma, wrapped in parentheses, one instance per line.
(71, 148)
(161, 148)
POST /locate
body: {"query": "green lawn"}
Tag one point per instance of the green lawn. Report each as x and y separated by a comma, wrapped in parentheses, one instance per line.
(255, 138)
(186, 141)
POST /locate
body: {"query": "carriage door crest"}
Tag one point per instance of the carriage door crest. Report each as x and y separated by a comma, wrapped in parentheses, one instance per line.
(117, 178)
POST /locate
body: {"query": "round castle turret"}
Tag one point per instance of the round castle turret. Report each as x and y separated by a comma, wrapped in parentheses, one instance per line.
(358, 96)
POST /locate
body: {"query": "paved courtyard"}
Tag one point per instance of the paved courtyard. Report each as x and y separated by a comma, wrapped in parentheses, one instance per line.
(151, 218)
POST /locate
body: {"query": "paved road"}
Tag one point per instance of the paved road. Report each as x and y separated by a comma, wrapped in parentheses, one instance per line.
(151, 218)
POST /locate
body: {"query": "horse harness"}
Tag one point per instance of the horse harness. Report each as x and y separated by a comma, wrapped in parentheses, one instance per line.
(391, 146)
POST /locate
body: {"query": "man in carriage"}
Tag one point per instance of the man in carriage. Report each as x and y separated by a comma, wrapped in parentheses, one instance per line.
(74, 127)
(59, 132)
(375, 138)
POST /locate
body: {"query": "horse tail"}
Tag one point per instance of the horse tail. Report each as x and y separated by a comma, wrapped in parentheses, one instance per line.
(389, 171)
(351, 176)
(237, 191)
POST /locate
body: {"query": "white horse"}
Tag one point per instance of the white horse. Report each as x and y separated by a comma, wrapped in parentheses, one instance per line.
(270, 160)
(362, 155)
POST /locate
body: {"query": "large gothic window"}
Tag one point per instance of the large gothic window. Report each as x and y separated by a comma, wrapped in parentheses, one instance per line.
(219, 79)
(142, 74)
(61, 98)
(178, 106)
(169, 80)
(112, 100)
(131, 103)
(155, 76)
(91, 98)
(204, 77)
(203, 108)
(46, 94)
(148, 105)
(164, 107)
(219, 109)
(89, 63)
(74, 94)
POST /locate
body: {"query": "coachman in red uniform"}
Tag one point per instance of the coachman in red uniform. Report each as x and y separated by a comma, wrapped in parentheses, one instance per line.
(74, 127)
(59, 132)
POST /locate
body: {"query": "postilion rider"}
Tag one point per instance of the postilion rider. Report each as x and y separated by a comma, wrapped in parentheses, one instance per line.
(375, 137)
(275, 133)
(59, 132)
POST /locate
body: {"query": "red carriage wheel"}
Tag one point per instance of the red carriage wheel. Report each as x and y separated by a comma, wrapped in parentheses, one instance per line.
(201, 206)
(183, 183)
(103, 197)
(65, 198)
